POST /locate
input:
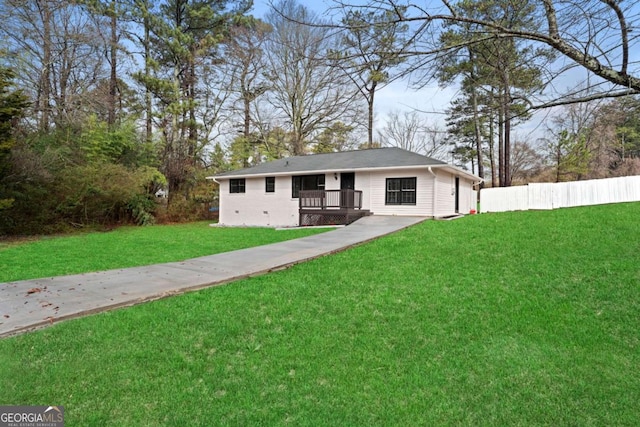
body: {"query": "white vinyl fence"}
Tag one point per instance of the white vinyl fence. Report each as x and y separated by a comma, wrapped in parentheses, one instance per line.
(561, 194)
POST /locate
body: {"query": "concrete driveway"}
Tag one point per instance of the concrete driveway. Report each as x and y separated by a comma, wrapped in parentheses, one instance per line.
(30, 304)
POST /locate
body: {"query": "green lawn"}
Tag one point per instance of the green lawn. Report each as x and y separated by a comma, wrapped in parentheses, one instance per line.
(130, 246)
(526, 318)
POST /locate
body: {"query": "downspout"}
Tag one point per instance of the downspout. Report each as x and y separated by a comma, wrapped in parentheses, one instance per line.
(435, 192)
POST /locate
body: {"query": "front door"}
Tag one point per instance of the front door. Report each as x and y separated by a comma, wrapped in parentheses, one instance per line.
(347, 182)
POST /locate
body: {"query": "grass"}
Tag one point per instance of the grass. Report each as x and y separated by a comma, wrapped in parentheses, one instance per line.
(128, 247)
(527, 318)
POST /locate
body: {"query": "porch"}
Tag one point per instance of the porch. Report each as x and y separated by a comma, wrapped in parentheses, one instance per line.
(330, 207)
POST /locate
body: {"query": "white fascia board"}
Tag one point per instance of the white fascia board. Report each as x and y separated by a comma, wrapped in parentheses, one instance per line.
(460, 172)
(317, 172)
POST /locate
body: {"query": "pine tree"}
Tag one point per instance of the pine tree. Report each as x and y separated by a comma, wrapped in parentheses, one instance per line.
(184, 39)
(372, 48)
(499, 72)
(12, 105)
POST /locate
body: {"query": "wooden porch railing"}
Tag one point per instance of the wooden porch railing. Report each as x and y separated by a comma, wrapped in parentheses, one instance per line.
(330, 199)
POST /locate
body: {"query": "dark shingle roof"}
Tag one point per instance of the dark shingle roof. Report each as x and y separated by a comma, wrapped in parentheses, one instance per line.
(342, 161)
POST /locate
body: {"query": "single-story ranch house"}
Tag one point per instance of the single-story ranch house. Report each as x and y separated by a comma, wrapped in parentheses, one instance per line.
(338, 188)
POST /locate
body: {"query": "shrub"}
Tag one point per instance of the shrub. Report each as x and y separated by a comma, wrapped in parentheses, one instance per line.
(107, 193)
(142, 208)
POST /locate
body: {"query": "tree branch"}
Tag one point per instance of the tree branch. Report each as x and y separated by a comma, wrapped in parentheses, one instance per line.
(594, 97)
(624, 35)
(551, 36)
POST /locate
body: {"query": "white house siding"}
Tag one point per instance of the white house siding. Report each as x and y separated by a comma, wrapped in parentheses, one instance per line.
(256, 207)
(424, 193)
(363, 183)
(445, 196)
(468, 196)
(330, 181)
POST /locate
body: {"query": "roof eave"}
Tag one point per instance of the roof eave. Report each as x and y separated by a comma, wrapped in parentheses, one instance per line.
(458, 171)
(454, 169)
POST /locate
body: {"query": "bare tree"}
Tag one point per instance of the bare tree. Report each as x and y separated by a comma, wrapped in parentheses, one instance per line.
(57, 47)
(307, 89)
(594, 35)
(246, 84)
(412, 132)
(569, 140)
(107, 13)
(595, 139)
(244, 54)
(526, 161)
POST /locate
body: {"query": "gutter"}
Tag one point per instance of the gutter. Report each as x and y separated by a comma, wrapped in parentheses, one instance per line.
(460, 172)
(346, 169)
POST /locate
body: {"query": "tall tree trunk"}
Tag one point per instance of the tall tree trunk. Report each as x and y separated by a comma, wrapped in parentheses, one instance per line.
(298, 145)
(247, 98)
(372, 93)
(477, 130)
(246, 107)
(478, 135)
(558, 162)
(506, 102)
(43, 105)
(147, 74)
(192, 144)
(191, 99)
(507, 146)
(113, 53)
(501, 144)
(173, 162)
(492, 151)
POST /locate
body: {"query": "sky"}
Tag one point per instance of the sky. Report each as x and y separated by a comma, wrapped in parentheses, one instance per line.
(398, 96)
(434, 100)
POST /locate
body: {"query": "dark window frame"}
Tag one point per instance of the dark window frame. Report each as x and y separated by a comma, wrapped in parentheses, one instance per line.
(237, 185)
(306, 182)
(401, 191)
(270, 184)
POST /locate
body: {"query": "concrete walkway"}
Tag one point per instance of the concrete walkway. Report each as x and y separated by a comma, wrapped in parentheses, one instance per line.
(30, 304)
